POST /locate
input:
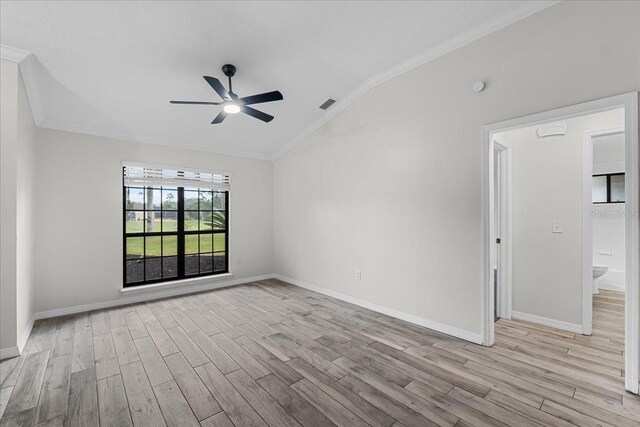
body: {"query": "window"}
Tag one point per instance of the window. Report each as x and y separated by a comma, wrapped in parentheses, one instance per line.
(175, 225)
(608, 188)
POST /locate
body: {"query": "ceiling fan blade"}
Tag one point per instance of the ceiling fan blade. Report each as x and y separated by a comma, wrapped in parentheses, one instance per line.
(263, 97)
(217, 86)
(219, 118)
(196, 102)
(257, 114)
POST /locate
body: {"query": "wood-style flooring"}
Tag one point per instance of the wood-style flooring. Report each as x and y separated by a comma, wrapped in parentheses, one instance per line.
(269, 353)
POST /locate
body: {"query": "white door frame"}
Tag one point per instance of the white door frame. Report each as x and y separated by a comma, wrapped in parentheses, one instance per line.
(629, 102)
(587, 225)
(505, 253)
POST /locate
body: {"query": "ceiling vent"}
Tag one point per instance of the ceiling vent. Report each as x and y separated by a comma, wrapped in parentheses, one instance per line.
(328, 103)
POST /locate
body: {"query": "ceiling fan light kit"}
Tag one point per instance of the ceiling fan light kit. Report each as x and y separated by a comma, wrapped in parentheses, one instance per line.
(231, 108)
(231, 103)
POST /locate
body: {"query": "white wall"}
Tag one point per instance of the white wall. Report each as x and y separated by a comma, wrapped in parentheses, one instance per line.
(391, 185)
(8, 178)
(609, 219)
(25, 195)
(79, 215)
(17, 198)
(547, 180)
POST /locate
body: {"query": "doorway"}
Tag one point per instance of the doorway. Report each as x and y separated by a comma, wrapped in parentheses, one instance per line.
(496, 281)
(501, 238)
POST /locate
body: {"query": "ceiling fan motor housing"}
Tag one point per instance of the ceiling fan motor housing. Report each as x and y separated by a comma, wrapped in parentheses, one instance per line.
(229, 70)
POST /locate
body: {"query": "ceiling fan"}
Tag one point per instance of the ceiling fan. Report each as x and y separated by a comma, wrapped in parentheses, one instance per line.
(231, 103)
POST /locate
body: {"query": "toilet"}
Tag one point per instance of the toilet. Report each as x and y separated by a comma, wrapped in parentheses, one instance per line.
(598, 271)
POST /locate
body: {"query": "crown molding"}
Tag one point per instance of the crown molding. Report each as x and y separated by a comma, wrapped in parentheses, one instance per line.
(27, 65)
(28, 70)
(429, 55)
(131, 137)
(13, 54)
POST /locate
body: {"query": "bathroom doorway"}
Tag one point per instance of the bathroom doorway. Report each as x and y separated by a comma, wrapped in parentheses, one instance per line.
(608, 207)
(606, 149)
(560, 236)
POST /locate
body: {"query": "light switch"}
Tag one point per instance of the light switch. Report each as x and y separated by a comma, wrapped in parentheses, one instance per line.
(556, 226)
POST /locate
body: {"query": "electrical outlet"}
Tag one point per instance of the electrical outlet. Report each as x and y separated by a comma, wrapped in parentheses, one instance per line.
(358, 275)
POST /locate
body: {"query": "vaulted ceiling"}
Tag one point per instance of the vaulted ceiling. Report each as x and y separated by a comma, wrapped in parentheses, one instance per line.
(110, 68)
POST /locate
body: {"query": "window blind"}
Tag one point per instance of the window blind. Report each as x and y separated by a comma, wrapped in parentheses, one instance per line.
(139, 175)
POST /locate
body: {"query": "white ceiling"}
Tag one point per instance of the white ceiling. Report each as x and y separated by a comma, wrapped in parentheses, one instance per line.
(110, 68)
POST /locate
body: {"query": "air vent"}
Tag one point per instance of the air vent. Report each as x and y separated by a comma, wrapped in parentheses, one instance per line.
(328, 103)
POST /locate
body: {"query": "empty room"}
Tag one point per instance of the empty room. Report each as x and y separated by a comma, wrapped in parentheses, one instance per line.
(319, 213)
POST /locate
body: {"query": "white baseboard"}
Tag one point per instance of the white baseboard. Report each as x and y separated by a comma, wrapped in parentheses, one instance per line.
(613, 280)
(148, 295)
(420, 321)
(558, 324)
(152, 295)
(22, 341)
(611, 286)
(9, 352)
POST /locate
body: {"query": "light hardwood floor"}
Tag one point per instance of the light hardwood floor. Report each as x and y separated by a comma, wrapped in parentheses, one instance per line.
(272, 354)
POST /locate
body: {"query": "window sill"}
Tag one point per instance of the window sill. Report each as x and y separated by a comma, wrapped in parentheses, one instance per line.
(175, 283)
